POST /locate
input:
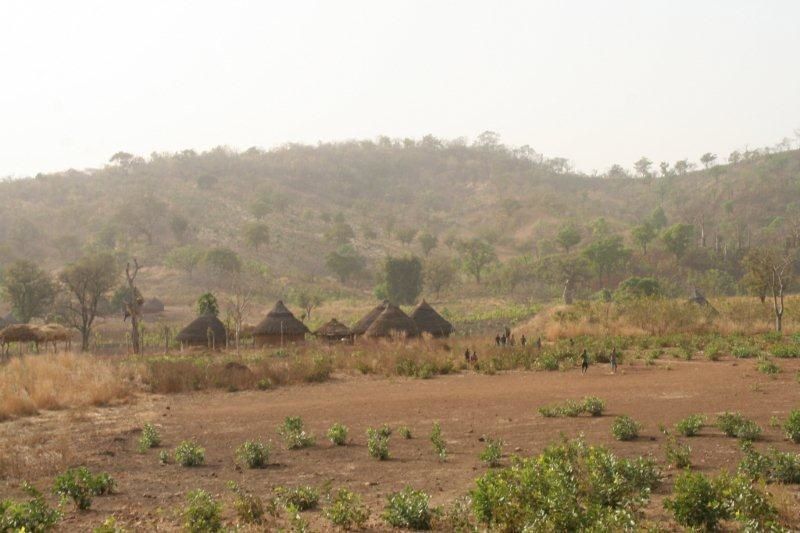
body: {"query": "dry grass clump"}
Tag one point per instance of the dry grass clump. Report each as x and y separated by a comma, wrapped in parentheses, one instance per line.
(58, 381)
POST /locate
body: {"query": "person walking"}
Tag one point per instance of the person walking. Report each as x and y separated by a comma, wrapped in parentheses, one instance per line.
(584, 361)
(613, 359)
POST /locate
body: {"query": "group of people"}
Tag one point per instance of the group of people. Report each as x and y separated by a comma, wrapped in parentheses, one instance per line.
(507, 339)
(611, 359)
(471, 357)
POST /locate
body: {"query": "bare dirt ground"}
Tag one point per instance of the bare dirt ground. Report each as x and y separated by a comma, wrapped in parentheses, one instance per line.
(467, 405)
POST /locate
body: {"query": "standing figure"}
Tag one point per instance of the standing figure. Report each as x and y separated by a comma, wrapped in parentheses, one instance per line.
(522, 340)
(539, 342)
(584, 361)
(467, 355)
(496, 340)
(474, 357)
(614, 361)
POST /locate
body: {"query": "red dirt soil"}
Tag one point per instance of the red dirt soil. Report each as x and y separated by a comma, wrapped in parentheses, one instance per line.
(467, 405)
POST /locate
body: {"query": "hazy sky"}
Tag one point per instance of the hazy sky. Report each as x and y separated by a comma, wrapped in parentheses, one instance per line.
(595, 81)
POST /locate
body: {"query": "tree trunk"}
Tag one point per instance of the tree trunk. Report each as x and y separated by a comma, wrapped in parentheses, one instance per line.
(568, 292)
(85, 339)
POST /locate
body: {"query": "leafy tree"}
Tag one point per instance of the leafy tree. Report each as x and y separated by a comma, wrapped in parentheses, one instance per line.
(566, 270)
(144, 216)
(617, 172)
(677, 239)
(29, 289)
(636, 287)
(122, 159)
(658, 219)
(256, 234)
(402, 279)
(682, 167)
(770, 270)
(439, 273)
(340, 232)
(606, 255)
(207, 304)
(185, 258)
(345, 262)
(708, 159)
(643, 234)
(308, 299)
(87, 282)
(642, 167)
(405, 235)
(664, 168)
(261, 207)
(428, 242)
(179, 226)
(568, 236)
(221, 261)
(476, 254)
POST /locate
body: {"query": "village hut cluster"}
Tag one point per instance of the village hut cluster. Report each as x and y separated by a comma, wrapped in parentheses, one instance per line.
(45, 334)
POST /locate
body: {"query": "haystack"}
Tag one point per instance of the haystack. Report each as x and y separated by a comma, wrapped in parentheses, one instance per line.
(19, 333)
(279, 327)
(205, 330)
(333, 331)
(54, 333)
(429, 321)
(392, 322)
(152, 306)
(363, 325)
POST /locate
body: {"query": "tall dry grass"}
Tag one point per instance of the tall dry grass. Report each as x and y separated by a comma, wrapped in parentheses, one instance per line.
(57, 381)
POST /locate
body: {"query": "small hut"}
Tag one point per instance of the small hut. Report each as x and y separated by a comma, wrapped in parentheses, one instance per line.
(392, 322)
(205, 330)
(429, 321)
(363, 325)
(333, 331)
(279, 327)
(152, 306)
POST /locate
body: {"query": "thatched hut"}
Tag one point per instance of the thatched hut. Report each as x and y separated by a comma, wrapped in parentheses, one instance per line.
(279, 327)
(361, 327)
(18, 333)
(392, 322)
(333, 331)
(429, 321)
(152, 306)
(205, 330)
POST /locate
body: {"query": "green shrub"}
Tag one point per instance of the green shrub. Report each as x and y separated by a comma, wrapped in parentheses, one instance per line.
(149, 439)
(439, 444)
(792, 426)
(79, 484)
(347, 511)
(625, 428)
(253, 454)
(33, 515)
(377, 444)
(767, 366)
(735, 425)
(109, 525)
(593, 405)
(773, 467)
(385, 431)
(249, 507)
(568, 487)
(744, 351)
(189, 453)
(571, 408)
(691, 425)
(301, 498)
(202, 513)
(408, 509)
(786, 351)
(678, 455)
(492, 453)
(163, 457)
(338, 434)
(748, 431)
(404, 432)
(695, 502)
(293, 433)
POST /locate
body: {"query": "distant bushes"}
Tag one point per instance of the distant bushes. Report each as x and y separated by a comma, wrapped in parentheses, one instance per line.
(591, 405)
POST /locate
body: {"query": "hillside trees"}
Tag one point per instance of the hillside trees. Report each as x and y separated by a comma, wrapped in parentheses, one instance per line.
(568, 236)
(677, 239)
(221, 261)
(476, 254)
(606, 255)
(29, 289)
(643, 234)
(439, 273)
(405, 235)
(308, 299)
(566, 270)
(427, 242)
(769, 271)
(345, 262)
(401, 281)
(185, 258)
(256, 235)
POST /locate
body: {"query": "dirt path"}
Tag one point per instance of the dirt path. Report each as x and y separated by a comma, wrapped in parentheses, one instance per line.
(468, 406)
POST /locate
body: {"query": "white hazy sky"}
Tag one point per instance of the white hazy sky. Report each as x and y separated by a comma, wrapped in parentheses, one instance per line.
(595, 81)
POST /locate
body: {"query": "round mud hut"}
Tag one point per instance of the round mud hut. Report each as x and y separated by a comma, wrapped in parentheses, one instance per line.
(392, 323)
(333, 331)
(206, 330)
(361, 327)
(152, 306)
(429, 321)
(279, 327)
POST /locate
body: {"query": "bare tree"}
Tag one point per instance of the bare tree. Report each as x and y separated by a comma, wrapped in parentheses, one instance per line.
(768, 272)
(238, 305)
(781, 272)
(133, 304)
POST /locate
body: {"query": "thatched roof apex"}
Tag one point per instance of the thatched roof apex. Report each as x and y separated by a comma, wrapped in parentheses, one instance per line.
(280, 321)
(361, 327)
(392, 321)
(333, 328)
(197, 331)
(429, 321)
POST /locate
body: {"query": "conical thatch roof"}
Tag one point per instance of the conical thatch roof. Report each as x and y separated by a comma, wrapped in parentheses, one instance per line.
(153, 305)
(429, 321)
(392, 321)
(197, 331)
(280, 321)
(363, 325)
(333, 329)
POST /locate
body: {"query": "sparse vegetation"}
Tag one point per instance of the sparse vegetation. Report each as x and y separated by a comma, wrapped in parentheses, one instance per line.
(625, 428)
(249, 507)
(202, 514)
(149, 438)
(377, 444)
(252, 454)
(492, 453)
(301, 498)
(736, 425)
(439, 444)
(591, 405)
(691, 425)
(188, 453)
(678, 454)
(337, 434)
(33, 515)
(294, 435)
(792, 426)
(347, 511)
(408, 509)
(80, 485)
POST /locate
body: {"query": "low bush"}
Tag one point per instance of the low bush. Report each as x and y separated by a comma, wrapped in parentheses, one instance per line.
(568, 487)
(202, 514)
(109, 525)
(149, 438)
(408, 509)
(33, 515)
(792, 426)
(571, 408)
(337, 434)
(294, 434)
(736, 425)
(785, 351)
(695, 502)
(767, 366)
(347, 511)
(593, 405)
(79, 484)
(439, 444)
(625, 428)
(252, 454)
(678, 454)
(492, 453)
(744, 351)
(249, 507)
(300, 498)
(189, 453)
(377, 444)
(773, 467)
(404, 431)
(691, 425)
(163, 457)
